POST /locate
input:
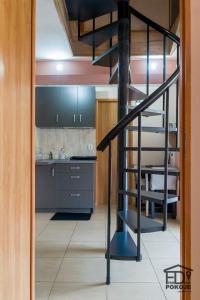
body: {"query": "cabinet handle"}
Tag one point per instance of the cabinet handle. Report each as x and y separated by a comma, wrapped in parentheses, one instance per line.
(75, 195)
(75, 168)
(80, 118)
(74, 118)
(52, 172)
(57, 118)
(75, 177)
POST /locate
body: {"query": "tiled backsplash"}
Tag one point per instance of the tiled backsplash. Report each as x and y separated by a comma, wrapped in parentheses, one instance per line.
(74, 141)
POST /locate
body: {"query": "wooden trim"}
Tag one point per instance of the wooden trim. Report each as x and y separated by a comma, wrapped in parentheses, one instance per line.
(185, 137)
(32, 136)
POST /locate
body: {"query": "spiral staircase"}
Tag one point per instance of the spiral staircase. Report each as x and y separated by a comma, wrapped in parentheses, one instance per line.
(132, 105)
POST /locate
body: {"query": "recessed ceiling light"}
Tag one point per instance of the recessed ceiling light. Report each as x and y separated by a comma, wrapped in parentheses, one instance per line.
(59, 67)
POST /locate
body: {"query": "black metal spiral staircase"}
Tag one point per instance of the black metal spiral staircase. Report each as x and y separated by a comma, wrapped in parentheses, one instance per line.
(117, 58)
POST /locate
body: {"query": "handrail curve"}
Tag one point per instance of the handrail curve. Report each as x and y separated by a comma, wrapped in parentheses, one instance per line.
(115, 131)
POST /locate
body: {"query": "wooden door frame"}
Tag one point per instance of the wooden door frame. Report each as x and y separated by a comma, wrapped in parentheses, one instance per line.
(185, 155)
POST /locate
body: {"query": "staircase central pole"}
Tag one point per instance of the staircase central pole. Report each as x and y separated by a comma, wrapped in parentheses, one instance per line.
(124, 56)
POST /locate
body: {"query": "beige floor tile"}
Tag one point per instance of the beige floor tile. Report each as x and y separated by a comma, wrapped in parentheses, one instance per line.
(137, 291)
(43, 216)
(47, 269)
(67, 291)
(165, 250)
(95, 224)
(90, 249)
(50, 249)
(89, 235)
(160, 236)
(68, 225)
(82, 270)
(55, 233)
(132, 271)
(39, 227)
(43, 290)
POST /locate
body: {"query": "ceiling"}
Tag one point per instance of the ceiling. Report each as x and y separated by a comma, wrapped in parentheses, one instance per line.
(51, 39)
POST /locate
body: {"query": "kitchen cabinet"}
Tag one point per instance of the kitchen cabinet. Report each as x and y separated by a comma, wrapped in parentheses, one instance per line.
(65, 106)
(64, 187)
(45, 187)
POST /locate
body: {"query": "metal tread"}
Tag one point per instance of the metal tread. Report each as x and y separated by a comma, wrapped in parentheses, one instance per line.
(152, 129)
(114, 79)
(159, 149)
(107, 58)
(149, 112)
(100, 35)
(84, 10)
(147, 225)
(153, 170)
(135, 94)
(156, 197)
(123, 247)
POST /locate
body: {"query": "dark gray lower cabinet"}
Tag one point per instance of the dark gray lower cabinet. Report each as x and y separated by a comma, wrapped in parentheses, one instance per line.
(45, 187)
(67, 186)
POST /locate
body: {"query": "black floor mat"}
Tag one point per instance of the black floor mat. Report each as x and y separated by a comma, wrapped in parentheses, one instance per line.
(71, 217)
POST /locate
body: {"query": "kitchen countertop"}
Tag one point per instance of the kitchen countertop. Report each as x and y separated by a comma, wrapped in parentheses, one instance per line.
(41, 162)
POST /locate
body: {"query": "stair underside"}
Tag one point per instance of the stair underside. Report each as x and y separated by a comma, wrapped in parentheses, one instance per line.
(123, 247)
(159, 171)
(147, 225)
(158, 149)
(149, 112)
(152, 129)
(84, 10)
(107, 58)
(114, 79)
(100, 35)
(151, 196)
(135, 94)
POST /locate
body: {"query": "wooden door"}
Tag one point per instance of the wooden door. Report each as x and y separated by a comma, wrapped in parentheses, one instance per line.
(16, 149)
(106, 119)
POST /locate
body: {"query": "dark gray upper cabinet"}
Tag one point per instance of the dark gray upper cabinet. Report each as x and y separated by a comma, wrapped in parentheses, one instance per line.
(86, 106)
(65, 106)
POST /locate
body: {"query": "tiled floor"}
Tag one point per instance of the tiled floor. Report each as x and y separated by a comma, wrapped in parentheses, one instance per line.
(70, 263)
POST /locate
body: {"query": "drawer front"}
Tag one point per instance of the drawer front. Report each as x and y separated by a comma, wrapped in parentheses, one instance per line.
(74, 199)
(72, 181)
(74, 168)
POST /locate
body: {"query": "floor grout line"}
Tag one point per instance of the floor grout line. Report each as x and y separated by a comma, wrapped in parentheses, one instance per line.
(62, 259)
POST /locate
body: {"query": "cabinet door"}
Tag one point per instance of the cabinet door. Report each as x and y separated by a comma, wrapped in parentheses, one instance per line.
(68, 112)
(45, 187)
(86, 106)
(48, 106)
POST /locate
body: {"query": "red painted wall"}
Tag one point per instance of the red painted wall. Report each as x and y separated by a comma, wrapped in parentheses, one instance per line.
(83, 72)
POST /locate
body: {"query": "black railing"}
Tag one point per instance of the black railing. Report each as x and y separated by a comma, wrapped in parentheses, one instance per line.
(132, 115)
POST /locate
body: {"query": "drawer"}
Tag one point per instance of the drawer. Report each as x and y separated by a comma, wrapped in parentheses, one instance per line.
(74, 181)
(74, 168)
(74, 199)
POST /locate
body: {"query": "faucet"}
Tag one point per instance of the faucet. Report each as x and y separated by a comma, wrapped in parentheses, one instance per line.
(50, 155)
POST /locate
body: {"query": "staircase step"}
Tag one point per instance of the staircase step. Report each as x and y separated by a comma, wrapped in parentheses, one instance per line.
(158, 149)
(84, 10)
(100, 35)
(114, 79)
(153, 170)
(152, 129)
(156, 197)
(149, 112)
(147, 225)
(135, 94)
(123, 247)
(107, 58)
